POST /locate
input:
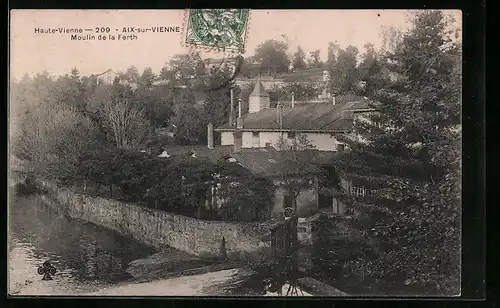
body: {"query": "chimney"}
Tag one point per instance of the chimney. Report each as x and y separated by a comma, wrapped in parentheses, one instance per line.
(333, 99)
(231, 111)
(278, 106)
(239, 120)
(237, 136)
(210, 136)
(239, 107)
(293, 100)
(280, 113)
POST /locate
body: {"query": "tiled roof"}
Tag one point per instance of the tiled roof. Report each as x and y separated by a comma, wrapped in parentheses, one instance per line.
(305, 117)
(264, 162)
(272, 163)
(110, 71)
(288, 104)
(199, 151)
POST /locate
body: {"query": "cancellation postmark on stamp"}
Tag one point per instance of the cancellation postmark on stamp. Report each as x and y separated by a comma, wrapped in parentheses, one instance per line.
(222, 29)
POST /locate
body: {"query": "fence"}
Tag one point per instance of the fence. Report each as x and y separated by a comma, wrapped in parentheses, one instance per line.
(357, 191)
(361, 191)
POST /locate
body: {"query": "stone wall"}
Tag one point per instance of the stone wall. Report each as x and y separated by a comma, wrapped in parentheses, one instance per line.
(160, 229)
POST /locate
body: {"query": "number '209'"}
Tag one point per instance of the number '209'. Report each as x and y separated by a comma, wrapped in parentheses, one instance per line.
(102, 30)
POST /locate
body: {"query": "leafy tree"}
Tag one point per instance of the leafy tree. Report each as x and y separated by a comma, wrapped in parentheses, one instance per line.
(314, 60)
(344, 73)
(410, 154)
(370, 65)
(131, 75)
(247, 199)
(145, 81)
(272, 56)
(333, 49)
(296, 173)
(299, 59)
(157, 105)
(183, 68)
(391, 38)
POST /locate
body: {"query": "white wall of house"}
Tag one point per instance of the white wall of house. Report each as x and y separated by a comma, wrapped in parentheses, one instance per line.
(247, 140)
(226, 138)
(268, 137)
(322, 141)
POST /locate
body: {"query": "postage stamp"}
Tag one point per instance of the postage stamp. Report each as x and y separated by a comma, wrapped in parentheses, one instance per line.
(221, 29)
(201, 153)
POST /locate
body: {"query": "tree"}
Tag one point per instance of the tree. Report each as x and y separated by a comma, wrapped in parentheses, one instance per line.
(248, 198)
(409, 154)
(333, 49)
(146, 79)
(299, 59)
(344, 74)
(369, 66)
(183, 68)
(315, 59)
(272, 56)
(131, 75)
(116, 106)
(296, 173)
(391, 37)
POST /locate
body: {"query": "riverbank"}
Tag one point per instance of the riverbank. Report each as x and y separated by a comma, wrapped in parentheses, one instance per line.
(207, 284)
(193, 285)
(202, 238)
(163, 266)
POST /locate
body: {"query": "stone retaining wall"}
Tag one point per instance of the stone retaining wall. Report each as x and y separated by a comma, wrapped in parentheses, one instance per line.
(160, 229)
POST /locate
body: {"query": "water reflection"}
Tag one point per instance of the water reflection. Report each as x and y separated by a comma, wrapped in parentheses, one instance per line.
(85, 255)
(276, 277)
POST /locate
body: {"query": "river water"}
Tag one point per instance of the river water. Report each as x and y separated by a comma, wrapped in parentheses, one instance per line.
(87, 257)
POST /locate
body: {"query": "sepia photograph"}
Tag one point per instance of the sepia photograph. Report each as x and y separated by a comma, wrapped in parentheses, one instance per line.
(235, 153)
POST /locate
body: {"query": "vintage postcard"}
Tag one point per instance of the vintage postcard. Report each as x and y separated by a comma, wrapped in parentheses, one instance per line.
(235, 152)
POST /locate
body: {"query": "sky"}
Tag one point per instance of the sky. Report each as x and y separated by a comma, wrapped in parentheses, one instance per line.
(32, 52)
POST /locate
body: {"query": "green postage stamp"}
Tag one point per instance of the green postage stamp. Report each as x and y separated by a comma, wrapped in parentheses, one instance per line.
(217, 28)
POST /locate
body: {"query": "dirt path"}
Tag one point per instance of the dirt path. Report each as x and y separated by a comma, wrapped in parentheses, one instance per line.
(196, 285)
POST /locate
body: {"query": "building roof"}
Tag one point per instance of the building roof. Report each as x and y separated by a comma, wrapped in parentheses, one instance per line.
(288, 104)
(272, 163)
(198, 151)
(323, 117)
(106, 72)
(268, 162)
(262, 162)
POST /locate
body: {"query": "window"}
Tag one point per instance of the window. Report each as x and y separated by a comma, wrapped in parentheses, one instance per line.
(255, 134)
(291, 135)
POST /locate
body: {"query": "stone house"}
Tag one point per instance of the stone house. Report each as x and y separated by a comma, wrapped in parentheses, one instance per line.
(109, 76)
(320, 120)
(250, 142)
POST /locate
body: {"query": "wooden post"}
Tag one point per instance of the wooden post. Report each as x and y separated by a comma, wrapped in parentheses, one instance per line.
(223, 252)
